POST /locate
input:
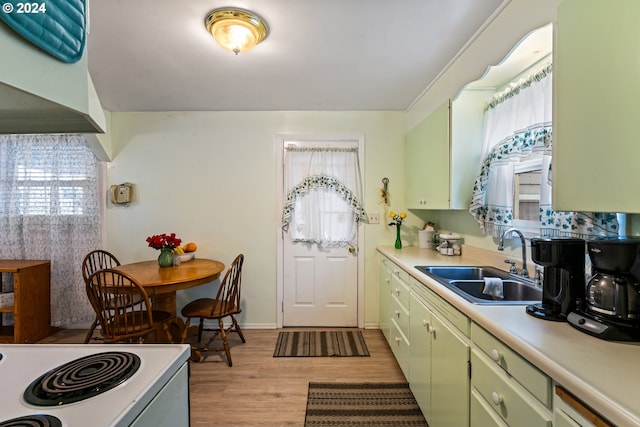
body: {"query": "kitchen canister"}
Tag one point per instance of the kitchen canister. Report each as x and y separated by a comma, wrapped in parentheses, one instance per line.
(425, 238)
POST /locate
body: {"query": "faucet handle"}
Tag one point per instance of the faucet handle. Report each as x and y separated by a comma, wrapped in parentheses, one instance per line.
(513, 268)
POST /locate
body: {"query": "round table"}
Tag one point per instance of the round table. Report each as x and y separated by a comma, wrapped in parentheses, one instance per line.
(161, 283)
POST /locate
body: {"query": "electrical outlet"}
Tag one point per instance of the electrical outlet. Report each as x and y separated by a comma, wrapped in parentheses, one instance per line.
(374, 218)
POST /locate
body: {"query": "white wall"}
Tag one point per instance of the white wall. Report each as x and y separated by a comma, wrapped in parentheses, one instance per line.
(211, 178)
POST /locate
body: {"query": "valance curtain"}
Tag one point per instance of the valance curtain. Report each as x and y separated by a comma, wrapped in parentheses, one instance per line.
(324, 195)
(49, 209)
(570, 224)
(492, 200)
(517, 125)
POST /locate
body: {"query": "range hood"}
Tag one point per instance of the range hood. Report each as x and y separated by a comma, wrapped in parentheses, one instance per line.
(40, 94)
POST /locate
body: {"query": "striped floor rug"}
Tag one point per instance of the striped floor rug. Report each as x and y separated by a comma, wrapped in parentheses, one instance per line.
(320, 343)
(362, 405)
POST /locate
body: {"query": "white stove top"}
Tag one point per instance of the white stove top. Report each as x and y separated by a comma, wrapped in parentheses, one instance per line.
(22, 364)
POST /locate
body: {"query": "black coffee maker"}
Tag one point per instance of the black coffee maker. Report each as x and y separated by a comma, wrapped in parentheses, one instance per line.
(611, 309)
(563, 281)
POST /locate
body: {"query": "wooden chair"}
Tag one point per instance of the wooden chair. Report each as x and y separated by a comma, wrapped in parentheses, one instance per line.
(123, 308)
(225, 304)
(95, 261)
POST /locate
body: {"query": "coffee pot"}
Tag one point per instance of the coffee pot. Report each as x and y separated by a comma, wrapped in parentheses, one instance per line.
(612, 302)
(563, 283)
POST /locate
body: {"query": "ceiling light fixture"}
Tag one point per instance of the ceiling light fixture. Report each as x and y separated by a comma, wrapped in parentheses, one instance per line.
(236, 30)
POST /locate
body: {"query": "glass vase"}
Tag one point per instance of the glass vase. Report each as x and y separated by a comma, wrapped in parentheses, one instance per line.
(398, 244)
(165, 259)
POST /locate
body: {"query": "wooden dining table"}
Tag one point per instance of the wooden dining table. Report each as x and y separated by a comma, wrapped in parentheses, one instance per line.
(162, 283)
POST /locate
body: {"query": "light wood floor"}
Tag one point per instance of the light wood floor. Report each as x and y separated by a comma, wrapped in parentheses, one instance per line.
(262, 390)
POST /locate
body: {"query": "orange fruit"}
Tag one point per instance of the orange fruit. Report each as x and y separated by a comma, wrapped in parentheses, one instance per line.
(190, 247)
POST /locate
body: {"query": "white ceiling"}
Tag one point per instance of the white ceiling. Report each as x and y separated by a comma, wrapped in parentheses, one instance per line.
(156, 55)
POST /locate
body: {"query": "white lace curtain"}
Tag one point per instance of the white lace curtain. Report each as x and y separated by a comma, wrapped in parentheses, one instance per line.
(324, 195)
(49, 209)
(518, 124)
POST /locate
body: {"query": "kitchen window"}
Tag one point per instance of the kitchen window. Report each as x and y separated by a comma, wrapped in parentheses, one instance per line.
(526, 195)
(51, 208)
(40, 194)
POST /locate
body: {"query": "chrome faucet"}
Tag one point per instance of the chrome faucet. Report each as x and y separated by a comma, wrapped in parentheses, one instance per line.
(525, 272)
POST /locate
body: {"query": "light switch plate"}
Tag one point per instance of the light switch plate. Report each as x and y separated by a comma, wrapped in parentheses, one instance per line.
(374, 218)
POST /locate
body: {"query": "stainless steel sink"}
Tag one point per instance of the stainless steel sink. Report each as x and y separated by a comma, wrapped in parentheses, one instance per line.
(468, 282)
(464, 273)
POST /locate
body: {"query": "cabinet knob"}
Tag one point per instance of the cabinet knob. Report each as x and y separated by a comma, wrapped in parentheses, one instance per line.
(398, 314)
(397, 291)
(430, 329)
(397, 340)
(497, 399)
(425, 323)
(496, 356)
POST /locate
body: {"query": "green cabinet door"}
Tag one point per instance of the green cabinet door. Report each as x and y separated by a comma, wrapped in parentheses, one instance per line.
(427, 161)
(420, 355)
(450, 383)
(596, 105)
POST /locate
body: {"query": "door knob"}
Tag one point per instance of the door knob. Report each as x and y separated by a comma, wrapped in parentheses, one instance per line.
(352, 249)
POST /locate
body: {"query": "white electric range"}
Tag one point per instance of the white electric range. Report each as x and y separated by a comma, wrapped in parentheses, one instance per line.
(73, 385)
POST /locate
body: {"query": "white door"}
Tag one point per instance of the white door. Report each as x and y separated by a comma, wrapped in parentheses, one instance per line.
(320, 282)
(320, 287)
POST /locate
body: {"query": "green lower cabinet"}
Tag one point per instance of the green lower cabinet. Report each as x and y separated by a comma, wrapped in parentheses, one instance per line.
(400, 347)
(563, 420)
(439, 368)
(508, 398)
(420, 356)
(482, 415)
(384, 289)
(449, 377)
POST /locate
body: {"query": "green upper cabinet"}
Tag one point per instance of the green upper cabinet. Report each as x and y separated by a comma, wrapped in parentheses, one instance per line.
(427, 161)
(597, 106)
(443, 154)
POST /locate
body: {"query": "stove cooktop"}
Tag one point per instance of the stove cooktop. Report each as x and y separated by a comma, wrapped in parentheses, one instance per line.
(82, 378)
(37, 420)
(22, 365)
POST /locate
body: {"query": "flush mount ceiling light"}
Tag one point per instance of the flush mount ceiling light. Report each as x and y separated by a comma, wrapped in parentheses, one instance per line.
(236, 30)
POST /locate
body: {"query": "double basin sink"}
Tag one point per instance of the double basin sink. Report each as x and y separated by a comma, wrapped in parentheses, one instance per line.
(469, 283)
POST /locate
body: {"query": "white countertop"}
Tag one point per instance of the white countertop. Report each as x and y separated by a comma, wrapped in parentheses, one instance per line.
(603, 374)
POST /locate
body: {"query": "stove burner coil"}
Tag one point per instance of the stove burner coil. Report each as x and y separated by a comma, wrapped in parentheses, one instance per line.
(82, 378)
(38, 420)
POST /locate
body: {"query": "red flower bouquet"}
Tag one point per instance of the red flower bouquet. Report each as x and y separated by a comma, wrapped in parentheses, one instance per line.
(162, 241)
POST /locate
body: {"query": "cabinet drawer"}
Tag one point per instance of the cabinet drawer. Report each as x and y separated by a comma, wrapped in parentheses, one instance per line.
(482, 415)
(569, 407)
(400, 315)
(452, 314)
(509, 400)
(400, 290)
(530, 377)
(564, 420)
(387, 262)
(395, 269)
(403, 275)
(400, 347)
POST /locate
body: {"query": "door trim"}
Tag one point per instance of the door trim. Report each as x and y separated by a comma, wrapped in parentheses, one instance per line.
(281, 139)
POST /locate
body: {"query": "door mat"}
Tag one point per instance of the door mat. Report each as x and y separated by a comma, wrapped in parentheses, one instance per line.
(362, 404)
(320, 343)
